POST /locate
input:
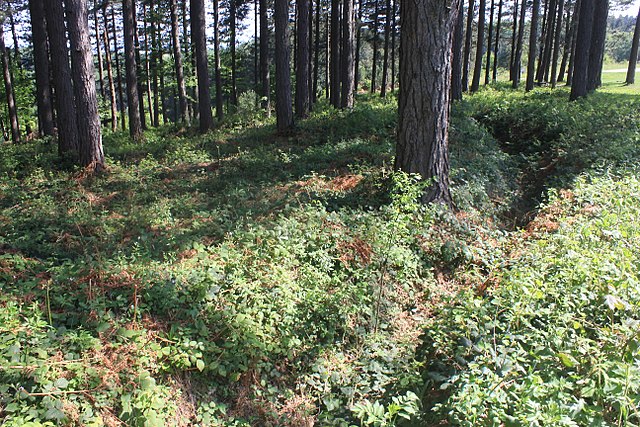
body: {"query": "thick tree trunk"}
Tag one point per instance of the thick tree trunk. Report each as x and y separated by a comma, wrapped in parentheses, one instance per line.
(198, 25)
(84, 85)
(579, 86)
(533, 39)
(477, 70)
(41, 63)
(423, 105)
(633, 58)
(8, 88)
(517, 60)
(216, 55)
(131, 71)
(302, 60)
(556, 44)
(494, 75)
(116, 51)
(385, 53)
(334, 90)
(178, 64)
(456, 65)
(264, 58)
(487, 70)
(596, 50)
(348, 57)
(467, 46)
(284, 112)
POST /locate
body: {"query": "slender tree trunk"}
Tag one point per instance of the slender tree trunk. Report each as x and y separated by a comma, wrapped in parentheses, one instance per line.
(477, 71)
(154, 63)
(216, 54)
(147, 65)
(543, 67)
(393, 45)
(84, 85)
(385, 53)
(198, 25)
(487, 70)
(99, 51)
(423, 105)
(302, 60)
(264, 58)
(358, 44)
(139, 70)
(533, 39)
(514, 38)
(8, 88)
(112, 86)
(494, 76)
(116, 52)
(568, 42)
(456, 66)
(348, 57)
(16, 44)
(312, 97)
(574, 42)
(131, 68)
(327, 58)
(178, 64)
(334, 91)
(316, 53)
(41, 63)
(467, 46)
(579, 86)
(556, 45)
(374, 66)
(517, 61)
(633, 58)
(232, 47)
(596, 50)
(256, 66)
(284, 112)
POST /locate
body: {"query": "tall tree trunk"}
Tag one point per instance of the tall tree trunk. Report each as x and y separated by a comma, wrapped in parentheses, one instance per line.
(84, 85)
(334, 91)
(579, 86)
(423, 105)
(385, 53)
(494, 76)
(302, 60)
(312, 98)
(232, 47)
(316, 53)
(112, 87)
(256, 66)
(487, 70)
(533, 39)
(393, 45)
(514, 38)
(517, 61)
(468, 36)
(548, 35)
(8, 88)
(147, 65)
(568, 41)
(633, 58)
(41, 63)
(131, 68)
(154, 63)
(216, 58)
(477, 71)
(574, 42)
(139, 70)
(264, 57)
(99, 51)
(374, 65)
(456, 65)
(556, 44)
(596, 50)
(178, 64)
(284, 112)
(198, 25)
(348, 57)
(116, 55)
(16, 44)
(358, 43)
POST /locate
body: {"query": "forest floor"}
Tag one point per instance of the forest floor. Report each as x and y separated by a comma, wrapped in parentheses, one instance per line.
(240, 278)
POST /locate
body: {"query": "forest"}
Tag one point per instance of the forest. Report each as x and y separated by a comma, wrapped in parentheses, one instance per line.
(385, 213)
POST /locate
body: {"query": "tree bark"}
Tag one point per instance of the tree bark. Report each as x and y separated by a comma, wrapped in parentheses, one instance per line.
(316, 53)
(596, 50)
(302, 60)
(358, 44)
(41, 63)
(467, 46)
(579, 86)
(568, 42)
(284, 112)
(517, 61)
(477, 71)
(494, 75)
(456, 66)
(264, 58)
(514, 38)
(216, 55)
(385, 52)
(633, 58)
(347, 61)
(112, 86)
(423, 105)
(232, 46)
(116, 51)
(556, 44)
(99, 51)
(487, 70)
(131, 68)
(574, 42)
(84, 86)
(8, 88)
(155, 84)
(198, 25)
(178, 64)
(393, 45)
(334, 91)
(533, 39)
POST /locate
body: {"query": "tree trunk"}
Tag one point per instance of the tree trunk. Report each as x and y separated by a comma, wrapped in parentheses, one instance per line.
(556, 45)
(514, 38)
(112, 86)
(334, 91)
(358, 44)
(147, 65)
(568, 42)
(154, 64)
(41, 63)
(385, 53)
(264, 57)
(487, 70)
(216, 55)
(477, 71)
(316, 54)
(494, 76)
(467, 46)
(84, 86)
(423, 105)
(456, 66)
(596, 50)
(348, 57)
(517, 61)
(284, 112)
(99, 51)
(178, 64)
(116, 52)
(302, 60)
(543, 66)
(533, 39)
(8, 88)
(574, 42)
(232, 47)
(131, 71)
(198, 26)
(393, 46)
(16, 45)
(579, 86)
(139, 70)
(633, 58)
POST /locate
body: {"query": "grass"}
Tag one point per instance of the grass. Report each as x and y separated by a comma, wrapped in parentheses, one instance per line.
(240, 278)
